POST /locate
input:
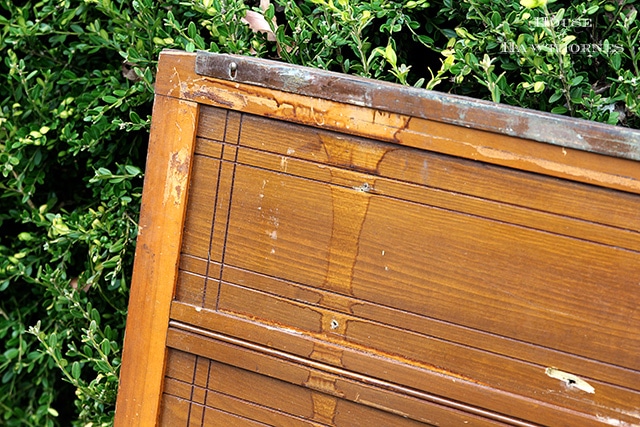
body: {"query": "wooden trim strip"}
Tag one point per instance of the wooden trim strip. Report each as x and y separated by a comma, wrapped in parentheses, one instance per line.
(181, 333)
(446, 108)
(398, 128)
(156, 261)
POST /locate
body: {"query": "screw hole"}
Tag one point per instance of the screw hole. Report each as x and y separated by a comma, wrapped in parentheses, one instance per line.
(364, 188)
(334, 324)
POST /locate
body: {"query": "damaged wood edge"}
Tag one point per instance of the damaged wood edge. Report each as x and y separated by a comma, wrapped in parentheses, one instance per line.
(570, 380)
(157, 255)
(480, 145)
(463, 111)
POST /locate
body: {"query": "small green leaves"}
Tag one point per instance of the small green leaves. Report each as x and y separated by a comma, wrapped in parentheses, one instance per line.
(532, 4)
(538, 86)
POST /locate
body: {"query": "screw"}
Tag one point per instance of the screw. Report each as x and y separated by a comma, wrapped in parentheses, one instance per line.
(233, 68)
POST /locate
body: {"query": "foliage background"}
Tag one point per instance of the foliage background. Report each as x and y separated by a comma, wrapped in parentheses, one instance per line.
(75, 104)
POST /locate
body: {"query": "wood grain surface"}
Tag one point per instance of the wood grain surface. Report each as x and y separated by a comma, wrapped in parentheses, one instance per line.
(340, 265)
(156, 261)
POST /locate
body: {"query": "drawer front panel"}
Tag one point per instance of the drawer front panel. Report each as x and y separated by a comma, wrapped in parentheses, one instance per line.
(311, 260)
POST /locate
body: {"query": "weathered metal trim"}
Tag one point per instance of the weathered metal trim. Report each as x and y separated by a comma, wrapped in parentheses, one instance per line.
(463, 111)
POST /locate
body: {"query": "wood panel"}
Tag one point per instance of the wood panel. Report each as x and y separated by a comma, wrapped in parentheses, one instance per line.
(338, 261)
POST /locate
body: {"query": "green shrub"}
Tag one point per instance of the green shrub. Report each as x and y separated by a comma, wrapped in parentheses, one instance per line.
(579, 59)
(75, 105)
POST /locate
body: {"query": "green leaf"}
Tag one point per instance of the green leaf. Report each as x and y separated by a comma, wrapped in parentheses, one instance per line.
(576, 94)
(556, 96)
(496, 19)
(509, 66)
(134, 117)
(95, 317)
(133, 170)
(192, 30)
(8, 376)
(105, 346)
(532, 4)
(425, 40)
(616, 61)
(559, 110)
(390, 55)
(109, 99)
(53, 341)
(593, 9)
(102, 367)
(76, 370)
(11, 353)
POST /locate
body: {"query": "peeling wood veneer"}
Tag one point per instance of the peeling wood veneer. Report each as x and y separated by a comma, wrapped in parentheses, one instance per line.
(572, 381)
(177, 176)
(445, 108)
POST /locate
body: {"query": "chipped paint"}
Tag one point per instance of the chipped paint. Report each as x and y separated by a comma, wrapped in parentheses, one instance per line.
(613, 421)
(572, 381)
(446, 108)
(548, 165)
(177, 175)
(364, 188)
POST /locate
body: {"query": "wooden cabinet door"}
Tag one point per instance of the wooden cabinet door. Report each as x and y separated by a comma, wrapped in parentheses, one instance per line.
(324, 250)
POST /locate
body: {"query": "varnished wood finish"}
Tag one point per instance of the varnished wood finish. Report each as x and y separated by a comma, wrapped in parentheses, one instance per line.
(346, 260)
(157, 256)
(431, 105)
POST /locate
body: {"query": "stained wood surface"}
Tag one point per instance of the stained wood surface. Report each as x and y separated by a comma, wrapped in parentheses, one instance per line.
(564, 161)
(445, 108)
(370, 270)
(156, 261)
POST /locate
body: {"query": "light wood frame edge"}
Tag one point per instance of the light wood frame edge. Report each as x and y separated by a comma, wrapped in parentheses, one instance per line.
(169, 160)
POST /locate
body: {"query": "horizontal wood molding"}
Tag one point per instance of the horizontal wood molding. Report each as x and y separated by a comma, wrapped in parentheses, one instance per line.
(431, 105)
(567, 162)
